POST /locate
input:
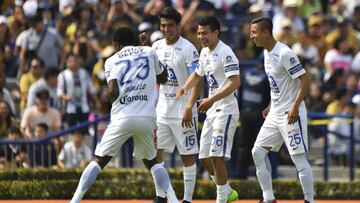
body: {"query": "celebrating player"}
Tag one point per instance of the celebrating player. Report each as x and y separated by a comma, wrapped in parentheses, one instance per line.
(176, 119)
(286, 119)
(220, 66)
(131, 74)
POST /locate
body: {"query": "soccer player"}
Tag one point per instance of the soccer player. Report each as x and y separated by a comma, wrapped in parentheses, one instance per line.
(220, 66)
(177, 119)
(131, 74)
(285, 117)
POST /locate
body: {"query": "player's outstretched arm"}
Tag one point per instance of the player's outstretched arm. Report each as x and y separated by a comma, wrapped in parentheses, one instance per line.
(113, 90)
(192, 81)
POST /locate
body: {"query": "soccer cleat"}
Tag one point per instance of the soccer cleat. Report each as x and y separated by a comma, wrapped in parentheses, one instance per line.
(160, 200)
(233, 196)
(184, 201)
(305, 201)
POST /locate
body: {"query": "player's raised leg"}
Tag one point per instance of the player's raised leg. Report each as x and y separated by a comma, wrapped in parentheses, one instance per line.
(89, 175)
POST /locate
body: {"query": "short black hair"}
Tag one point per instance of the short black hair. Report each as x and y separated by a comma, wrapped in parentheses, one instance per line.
(125, 37)
(14, 130)
(50, 72)
(170, 13)
(41, 62)
(210, 21)
(264, 24)
(43, 126)
(42, 92)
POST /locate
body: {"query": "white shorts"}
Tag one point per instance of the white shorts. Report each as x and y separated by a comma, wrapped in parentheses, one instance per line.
(141, 129)
(276, 130)
(170, 133)
(217, 136)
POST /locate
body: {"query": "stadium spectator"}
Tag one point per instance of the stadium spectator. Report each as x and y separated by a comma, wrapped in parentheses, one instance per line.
(7, 119)
(340, 100)
(45, 152)
(316, 30)
(355, 64)
(74, 87)
(75, 153)
(29, 78)
(308, 54)
(286, 33)
(14, 154)
(121, 14)
(338, 58)
(98, 73)
(5, 95)
(343, 30)
(42, 42)
(49, 82)
(17, 21)
(221, 107)
(40, 113)
(290, 10)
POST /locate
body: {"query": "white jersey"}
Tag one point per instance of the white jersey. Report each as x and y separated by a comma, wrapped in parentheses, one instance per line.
(135, 69)
(177, 58)
(218, 65)
(283, 67)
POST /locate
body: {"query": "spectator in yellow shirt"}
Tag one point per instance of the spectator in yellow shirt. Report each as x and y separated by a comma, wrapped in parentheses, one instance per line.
(27, 79)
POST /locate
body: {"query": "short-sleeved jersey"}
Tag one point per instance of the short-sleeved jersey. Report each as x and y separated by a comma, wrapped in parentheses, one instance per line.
(283, 68)
(177, 58)
(135, 69)
(217, 65)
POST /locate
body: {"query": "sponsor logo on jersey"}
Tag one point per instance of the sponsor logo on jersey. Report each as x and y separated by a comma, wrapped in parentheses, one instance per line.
(132, 88)
(128, 99)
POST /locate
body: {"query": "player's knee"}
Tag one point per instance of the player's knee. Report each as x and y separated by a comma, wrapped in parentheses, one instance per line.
(258, 154)
(300, 161)
(102, 161)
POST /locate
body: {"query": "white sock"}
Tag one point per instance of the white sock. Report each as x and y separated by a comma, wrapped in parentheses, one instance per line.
(161, 177)
(189, 182)
(159, 191)
(263, 172)
(88, 177)
(222, 191)
(305, 176)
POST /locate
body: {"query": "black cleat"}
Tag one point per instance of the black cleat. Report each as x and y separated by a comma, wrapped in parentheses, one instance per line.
(184, 201)
(305, 201)
(160, 200)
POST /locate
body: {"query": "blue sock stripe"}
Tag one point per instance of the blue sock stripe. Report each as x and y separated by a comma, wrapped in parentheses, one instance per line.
(226, 133)
(301, 134)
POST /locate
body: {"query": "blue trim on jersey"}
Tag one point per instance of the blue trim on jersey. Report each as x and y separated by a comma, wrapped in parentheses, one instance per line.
(301, 133)
(295, 69)
(193, 66)
(197, 133)
(226, 133)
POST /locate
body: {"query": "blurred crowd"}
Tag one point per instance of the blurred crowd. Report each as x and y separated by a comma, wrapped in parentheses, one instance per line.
(52, 55)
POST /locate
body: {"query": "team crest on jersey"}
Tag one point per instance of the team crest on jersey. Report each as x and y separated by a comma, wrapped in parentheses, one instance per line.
(292, 60)
(195, 54)
(228, 59)
(172, 79)
(211, 80)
